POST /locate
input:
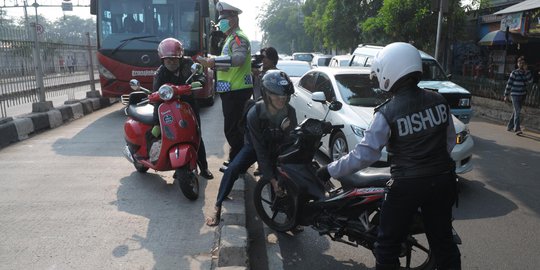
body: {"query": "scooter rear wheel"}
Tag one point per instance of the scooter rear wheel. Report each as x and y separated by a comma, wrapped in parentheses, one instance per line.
(188, 182)
(278, 212)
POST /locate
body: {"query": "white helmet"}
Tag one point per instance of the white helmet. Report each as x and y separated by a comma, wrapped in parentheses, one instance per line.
(393, 62)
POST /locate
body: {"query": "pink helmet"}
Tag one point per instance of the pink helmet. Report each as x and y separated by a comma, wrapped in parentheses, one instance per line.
(170, 48)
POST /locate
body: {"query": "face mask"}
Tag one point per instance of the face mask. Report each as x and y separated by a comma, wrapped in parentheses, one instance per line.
(172, 67)
(224, 25)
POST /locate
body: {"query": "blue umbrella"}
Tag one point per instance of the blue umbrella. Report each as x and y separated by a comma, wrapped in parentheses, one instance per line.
(499, 38)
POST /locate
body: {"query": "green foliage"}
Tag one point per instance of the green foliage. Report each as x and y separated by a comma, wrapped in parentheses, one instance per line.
(343, 24)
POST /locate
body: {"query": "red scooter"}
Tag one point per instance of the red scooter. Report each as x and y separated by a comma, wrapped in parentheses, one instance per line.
(180, 135)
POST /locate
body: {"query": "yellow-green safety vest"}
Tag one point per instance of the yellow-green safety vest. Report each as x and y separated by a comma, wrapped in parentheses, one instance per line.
(234, 78)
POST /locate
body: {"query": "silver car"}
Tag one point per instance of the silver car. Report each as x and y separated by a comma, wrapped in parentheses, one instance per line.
(360, 96)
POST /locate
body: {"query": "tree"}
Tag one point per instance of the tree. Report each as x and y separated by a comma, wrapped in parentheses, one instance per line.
(283, 27)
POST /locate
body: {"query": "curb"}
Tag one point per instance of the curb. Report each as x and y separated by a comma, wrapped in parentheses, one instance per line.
(231, 235)
(18, 128)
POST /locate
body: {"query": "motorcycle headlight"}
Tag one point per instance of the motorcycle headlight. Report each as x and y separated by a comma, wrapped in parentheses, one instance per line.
(166, 92)
(462, 136)
(358, 131)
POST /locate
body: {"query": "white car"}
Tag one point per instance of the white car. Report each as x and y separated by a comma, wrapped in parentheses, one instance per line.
(294, 68)
(360, 96)
(340, 61)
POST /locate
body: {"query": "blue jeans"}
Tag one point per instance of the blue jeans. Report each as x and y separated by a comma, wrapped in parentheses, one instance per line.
(514, 123)
(241, 162)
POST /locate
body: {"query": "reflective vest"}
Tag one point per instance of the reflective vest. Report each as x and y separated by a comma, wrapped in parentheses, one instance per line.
(234, 78)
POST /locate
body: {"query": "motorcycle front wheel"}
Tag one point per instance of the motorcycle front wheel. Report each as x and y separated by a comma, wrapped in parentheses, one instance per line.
(278, 212)
(188, 182)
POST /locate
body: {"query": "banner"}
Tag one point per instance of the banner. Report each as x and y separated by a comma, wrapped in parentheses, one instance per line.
(513, 21)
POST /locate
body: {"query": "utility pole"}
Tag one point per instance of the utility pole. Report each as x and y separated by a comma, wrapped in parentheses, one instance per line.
(41, 105)
(92, 93)
(439, 26)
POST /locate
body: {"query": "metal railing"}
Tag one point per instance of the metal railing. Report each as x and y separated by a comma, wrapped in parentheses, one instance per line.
(494, 89)
(65, 63)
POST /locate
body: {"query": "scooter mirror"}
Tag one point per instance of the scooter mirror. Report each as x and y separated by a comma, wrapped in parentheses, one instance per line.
(196, 68)
(134, 84)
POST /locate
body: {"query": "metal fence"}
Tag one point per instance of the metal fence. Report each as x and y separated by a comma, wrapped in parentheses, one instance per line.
(65, 63)
(494, 89)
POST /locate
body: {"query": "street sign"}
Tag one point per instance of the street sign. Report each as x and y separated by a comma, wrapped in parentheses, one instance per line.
(67, 6)
(39, 29)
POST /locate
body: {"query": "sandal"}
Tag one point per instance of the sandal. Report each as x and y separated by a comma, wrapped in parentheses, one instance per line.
(215, 218)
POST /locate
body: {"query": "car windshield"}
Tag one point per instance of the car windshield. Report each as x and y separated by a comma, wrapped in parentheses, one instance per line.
(294, 70)
(359, 90)
(303, 57)
(432, 71)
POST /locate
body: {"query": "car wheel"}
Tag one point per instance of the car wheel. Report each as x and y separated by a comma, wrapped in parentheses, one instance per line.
(338, 146)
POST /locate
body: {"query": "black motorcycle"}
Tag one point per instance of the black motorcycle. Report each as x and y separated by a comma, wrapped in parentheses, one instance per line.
(351, 211)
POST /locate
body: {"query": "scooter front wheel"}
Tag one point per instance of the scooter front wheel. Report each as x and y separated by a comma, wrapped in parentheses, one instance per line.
(188, 182)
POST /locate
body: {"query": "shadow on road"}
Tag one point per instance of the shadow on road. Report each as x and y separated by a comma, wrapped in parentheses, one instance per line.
(500, 166)
(84, 142)
(173, 234)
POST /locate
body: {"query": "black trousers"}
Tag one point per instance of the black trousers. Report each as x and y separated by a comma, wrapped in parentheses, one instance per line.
(435, 195)
(232, 105)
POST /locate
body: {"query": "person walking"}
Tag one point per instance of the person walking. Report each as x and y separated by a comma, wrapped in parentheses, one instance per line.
(516, 88)
(416, 127)
(176, 69)
(234, 79)
(268, 125)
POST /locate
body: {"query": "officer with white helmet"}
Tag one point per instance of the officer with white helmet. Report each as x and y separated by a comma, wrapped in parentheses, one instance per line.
(234, 81)
(416, 127)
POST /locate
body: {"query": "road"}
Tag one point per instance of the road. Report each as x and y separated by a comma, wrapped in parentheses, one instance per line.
(69, 200)
(497, 217)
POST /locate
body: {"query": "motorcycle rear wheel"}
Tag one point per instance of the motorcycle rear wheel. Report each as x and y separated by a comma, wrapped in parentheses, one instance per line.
(188, 182)
(417, 253)
(278, 212)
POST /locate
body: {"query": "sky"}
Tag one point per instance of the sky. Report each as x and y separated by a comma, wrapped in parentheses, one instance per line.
(250, 10)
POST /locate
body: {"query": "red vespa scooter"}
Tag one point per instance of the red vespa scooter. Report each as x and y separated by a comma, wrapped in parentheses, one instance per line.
(176, 149)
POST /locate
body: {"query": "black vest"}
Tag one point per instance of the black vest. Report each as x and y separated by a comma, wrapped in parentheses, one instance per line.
(418, 122)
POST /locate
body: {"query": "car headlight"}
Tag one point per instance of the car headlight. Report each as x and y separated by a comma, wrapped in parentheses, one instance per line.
(358, 131)
(166, 92)
(106, 73)
(464, 102)
(462, 136)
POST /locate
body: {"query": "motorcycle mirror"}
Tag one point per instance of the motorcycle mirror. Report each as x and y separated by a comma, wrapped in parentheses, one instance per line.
(134, 84)
(196, 68)
(319, 97)
(335, 106)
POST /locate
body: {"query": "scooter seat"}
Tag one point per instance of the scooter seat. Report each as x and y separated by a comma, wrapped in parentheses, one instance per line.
(143, 114)
(368, 177)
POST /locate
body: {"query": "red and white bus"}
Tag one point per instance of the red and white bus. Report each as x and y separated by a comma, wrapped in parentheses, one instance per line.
(129, 31)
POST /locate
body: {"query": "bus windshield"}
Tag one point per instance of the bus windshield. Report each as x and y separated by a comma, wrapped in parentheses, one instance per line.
(142, 24)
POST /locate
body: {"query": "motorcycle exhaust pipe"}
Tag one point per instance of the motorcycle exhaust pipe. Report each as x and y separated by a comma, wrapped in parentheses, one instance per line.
(128, 155)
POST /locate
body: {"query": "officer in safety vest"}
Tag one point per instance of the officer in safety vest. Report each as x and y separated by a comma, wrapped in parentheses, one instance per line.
(234, 81)
(416, 127)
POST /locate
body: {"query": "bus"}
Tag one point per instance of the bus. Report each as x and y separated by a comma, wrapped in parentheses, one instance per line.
(129, 31)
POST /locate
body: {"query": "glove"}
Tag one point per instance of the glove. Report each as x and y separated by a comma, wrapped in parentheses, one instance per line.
(323, 174)
(195, 85)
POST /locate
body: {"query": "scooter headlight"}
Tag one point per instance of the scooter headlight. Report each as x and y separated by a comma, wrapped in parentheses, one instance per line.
(166, 92)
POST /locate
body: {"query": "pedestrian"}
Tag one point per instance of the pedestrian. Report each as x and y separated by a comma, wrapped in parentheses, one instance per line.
(269, 60)
(61, 64)
(516, 88)
(234, 81)
(416, 127)
(70, 64)
(268, 125)
(176, 69)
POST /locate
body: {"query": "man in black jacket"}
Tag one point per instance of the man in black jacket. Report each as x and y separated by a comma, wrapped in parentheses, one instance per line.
(416, 127)
(176, 70)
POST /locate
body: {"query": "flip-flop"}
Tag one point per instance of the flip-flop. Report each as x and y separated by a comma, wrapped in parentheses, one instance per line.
(214, 219)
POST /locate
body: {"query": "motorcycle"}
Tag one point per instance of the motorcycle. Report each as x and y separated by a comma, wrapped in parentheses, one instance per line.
(350, 211)
(180, 135)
